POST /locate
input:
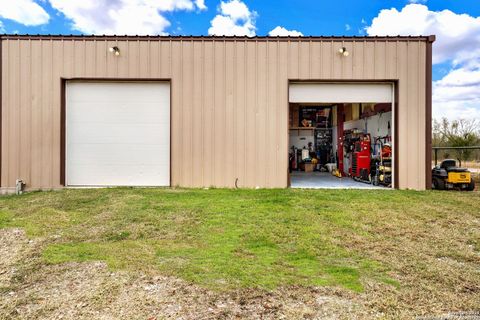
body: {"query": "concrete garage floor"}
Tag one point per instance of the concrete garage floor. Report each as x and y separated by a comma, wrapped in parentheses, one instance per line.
(325, 180)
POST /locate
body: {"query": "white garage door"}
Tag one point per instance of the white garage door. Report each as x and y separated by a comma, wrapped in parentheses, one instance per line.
(118, 134)
(341, 92)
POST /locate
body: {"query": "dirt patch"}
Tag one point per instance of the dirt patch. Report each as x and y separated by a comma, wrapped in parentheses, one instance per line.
(14, 247)
(33, 290)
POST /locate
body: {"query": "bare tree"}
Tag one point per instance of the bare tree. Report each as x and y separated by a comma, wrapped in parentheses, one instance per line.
(456, 133)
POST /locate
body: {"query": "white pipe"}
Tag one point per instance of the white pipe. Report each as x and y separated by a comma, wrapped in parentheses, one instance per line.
(19, 185)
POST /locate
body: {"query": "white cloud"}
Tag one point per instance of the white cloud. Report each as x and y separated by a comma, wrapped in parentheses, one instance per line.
(458, 35)
(140, 17)
(200, 4)
(347, 27)
(26, 12)
(457, 94)
(417, 1)
(282, 32)
(235, 9)
(460, 78)
(234, 19)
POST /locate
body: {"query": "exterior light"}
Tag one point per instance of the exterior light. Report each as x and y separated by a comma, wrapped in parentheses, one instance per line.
(343, 51)
(114, 50)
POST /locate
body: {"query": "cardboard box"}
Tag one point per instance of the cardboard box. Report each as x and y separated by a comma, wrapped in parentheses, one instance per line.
(307, 167)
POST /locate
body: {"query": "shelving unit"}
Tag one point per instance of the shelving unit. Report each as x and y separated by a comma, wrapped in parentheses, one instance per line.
(298, 129)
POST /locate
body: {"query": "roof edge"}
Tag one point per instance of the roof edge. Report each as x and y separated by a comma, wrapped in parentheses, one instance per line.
(430, 38)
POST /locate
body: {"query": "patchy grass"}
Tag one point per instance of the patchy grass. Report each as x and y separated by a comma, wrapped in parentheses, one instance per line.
(401, 241)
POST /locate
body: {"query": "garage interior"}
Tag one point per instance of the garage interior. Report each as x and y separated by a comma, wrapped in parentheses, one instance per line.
(341, 145)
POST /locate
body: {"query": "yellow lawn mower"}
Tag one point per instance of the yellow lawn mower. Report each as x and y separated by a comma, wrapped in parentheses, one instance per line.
(448, 176)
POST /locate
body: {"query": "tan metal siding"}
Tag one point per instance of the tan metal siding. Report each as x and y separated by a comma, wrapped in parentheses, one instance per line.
(229, 100)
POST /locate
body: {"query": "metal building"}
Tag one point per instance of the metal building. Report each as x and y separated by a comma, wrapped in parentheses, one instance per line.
(196, 111)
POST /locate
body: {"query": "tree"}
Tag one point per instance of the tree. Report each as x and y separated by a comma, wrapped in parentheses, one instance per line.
(456, 133)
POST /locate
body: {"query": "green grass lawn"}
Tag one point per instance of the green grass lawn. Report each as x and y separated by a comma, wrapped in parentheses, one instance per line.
(227, 239)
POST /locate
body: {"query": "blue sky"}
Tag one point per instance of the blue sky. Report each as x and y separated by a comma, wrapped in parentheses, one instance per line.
(456, 23)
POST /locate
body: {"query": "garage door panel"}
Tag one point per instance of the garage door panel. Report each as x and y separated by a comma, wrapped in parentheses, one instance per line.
(109, 154)
(108, 92)
(124, 113)
(341, 93)
(119, 175)
(118, 133)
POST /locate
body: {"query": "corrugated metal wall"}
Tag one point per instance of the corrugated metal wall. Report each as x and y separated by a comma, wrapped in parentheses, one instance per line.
(229, 100)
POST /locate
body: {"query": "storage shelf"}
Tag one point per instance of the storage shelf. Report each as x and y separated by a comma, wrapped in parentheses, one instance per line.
(310, 130)
(302, 128)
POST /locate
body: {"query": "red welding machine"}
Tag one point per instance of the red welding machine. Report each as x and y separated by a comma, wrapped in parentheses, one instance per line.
(361, 160)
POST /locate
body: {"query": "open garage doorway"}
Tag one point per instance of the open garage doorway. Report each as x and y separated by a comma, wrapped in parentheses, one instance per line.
(341, 135)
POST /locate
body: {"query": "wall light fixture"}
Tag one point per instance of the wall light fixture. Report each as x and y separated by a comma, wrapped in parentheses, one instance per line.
(114, 50)
(344, 51)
